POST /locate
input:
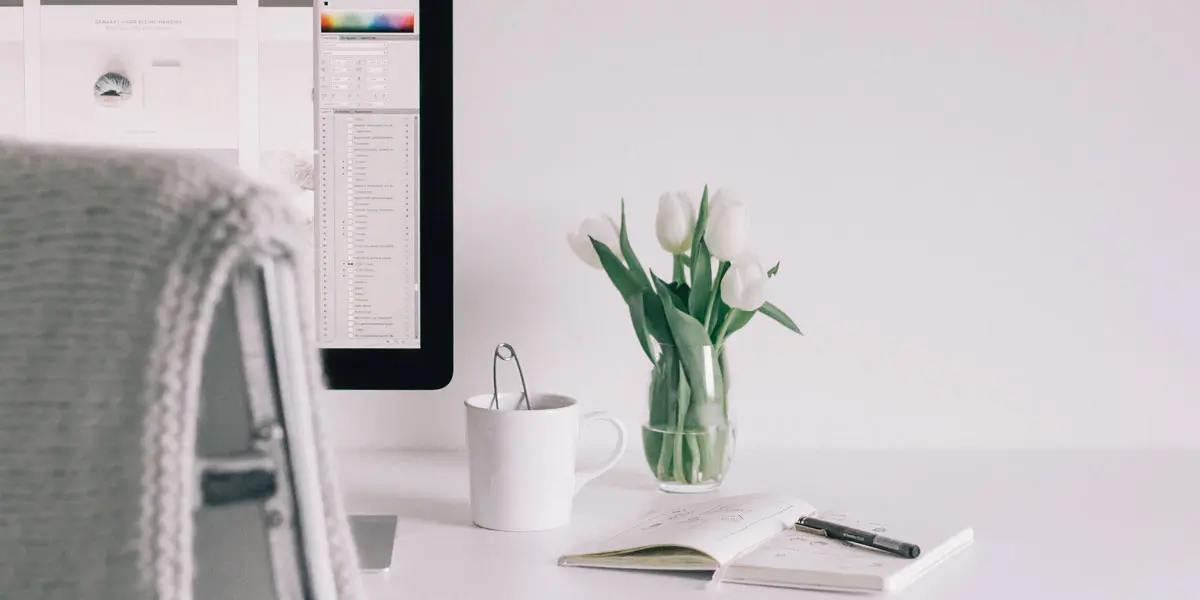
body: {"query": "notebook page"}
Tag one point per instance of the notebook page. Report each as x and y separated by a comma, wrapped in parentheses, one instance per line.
(819, 561)
(720, 528)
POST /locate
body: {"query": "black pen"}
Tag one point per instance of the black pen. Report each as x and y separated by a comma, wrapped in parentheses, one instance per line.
(866, 538)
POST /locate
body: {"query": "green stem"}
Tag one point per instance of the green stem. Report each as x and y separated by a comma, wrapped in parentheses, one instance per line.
(720, 339)
(697, 465)
(679, 275)
(712, 298)
(678, 458)
(662, 395)
(664, 456)
(707, 464)
(681, 415)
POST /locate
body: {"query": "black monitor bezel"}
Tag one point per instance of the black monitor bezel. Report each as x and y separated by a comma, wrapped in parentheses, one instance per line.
(432, 365)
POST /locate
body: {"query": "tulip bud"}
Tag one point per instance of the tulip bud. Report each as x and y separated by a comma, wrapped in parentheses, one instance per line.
(604, 230)
(676, 222)
(728, 226)
(745, 284)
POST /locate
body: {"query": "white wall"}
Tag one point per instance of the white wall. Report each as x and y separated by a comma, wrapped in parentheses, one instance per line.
(987, 213)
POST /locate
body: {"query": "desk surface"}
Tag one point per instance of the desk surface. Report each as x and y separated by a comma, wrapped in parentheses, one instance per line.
(1111, 524)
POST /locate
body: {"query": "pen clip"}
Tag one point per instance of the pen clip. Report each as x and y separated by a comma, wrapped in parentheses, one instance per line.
(807, 529)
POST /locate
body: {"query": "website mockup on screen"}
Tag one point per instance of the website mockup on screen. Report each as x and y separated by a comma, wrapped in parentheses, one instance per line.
(367, 125)
(141, 74)
(285, 91)
(333, 119)
(12, 68)
(285, 100)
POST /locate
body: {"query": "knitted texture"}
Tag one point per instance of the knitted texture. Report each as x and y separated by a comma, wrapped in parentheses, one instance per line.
(112, 263)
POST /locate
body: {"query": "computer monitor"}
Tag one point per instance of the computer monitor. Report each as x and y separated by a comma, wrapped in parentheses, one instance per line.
(383, 184)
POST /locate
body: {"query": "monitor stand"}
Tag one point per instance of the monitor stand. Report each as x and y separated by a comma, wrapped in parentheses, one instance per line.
(375, 536)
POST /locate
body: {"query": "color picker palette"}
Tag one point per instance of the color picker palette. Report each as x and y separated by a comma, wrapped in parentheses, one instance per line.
(368, 21)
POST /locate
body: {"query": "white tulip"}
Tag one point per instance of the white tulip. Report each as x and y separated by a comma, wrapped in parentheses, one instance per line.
(676, 222)
(728, 226)
(745, 284)
(604, 230)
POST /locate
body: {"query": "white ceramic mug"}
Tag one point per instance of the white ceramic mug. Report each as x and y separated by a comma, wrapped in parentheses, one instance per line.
(522, 462)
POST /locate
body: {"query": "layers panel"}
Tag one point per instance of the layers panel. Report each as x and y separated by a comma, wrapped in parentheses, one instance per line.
(368, 131)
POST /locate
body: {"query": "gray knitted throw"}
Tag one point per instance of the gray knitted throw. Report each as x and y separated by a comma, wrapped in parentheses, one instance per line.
(111, 266)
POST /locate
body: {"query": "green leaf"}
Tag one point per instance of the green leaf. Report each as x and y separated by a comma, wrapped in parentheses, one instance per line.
(701, 224)
(617, 273)
(681, 290)
(774, 312)
(693, 347)
(686, 330)
(702, 285)
(712, 315)
(666, 295)
(720, 313)
(739, 319)
(637, 312)
(773, 271)
(656, 318)
(635, 266)
(664, 381)
(683, 393)
(694, 352)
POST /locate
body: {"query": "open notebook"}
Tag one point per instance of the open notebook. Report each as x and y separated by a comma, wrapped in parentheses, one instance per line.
(752, 539)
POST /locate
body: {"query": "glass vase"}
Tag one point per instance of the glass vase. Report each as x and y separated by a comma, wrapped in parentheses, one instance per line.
(689, 437)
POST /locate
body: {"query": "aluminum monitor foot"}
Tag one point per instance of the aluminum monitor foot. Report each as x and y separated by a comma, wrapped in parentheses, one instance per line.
(375, 536)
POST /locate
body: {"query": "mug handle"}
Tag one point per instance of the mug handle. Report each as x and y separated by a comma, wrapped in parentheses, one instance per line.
(582, 477)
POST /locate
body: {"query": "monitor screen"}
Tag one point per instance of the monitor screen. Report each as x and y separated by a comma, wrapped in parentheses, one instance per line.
(367, 219)
(346, 106)
(12, 68)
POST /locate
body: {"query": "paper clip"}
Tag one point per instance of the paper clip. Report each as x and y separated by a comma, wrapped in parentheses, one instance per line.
(509, 355)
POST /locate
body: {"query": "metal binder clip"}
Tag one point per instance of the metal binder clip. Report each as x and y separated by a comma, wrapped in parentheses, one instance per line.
(511, 354)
